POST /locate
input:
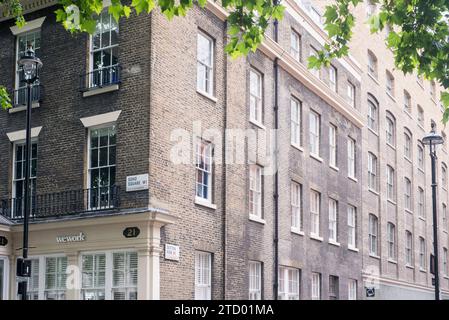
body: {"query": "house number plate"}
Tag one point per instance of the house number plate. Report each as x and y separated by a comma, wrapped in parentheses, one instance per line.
(131, 232)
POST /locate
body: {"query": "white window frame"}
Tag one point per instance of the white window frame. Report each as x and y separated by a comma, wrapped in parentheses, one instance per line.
(351, 94)
(407, 145)
(422, 253)
(41, 275)
(92, 51)
(209, 66)
(333, 155)
(17, 84)
(204, 155)
(407, 194)
(296, 206)
(108, 288)
(256, 113)
(352, 158)
(295, 45)
(314, 133)
(295, 122)
(420, 157)
(33, 179)
(444, 217)
(352, 227)
(391, 241)
(316, 286)
(372, 172)
(391, 193)
(5, 275)
(445, 262)
(333, 78)
(390, 132)
(372, 116)
(207, 286)
(89, 168)
(255, 280)
(333, 220)
(421, 203)
(373, 235)
(255, 191)
(408, 248)
(289, 282)
(352, 289)
(315, 208)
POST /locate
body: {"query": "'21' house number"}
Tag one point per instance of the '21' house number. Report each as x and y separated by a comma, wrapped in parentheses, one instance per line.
(131, 232)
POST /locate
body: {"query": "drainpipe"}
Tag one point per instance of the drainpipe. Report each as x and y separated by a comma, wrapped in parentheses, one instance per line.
(276, 174)
(224, 171)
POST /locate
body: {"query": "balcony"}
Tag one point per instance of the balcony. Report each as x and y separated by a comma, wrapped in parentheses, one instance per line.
(65, 203)
(101, 80)
(20, 98)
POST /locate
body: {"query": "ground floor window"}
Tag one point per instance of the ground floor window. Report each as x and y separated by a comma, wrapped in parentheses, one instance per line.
(3, 278)
(109, 276)
(203, 267)
(288, 283)
(352, 289)
(255, 280)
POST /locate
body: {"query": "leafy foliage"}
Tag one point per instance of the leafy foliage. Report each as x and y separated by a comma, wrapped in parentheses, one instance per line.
(248, 20)
(418, 36)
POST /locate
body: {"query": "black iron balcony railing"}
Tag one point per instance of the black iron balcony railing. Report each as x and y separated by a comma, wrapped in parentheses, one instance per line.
(20, 95)
(100, 78)
(63, 203)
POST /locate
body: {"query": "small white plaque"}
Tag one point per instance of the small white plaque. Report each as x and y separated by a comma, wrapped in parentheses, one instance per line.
(137, 183)
(171, 252)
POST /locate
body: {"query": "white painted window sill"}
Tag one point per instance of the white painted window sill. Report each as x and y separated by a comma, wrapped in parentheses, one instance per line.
(334, 168)
(374, 78)
(257, 219)
(391, 146)
(422, 218)
(373, 191)
(375, 256)
(392, 202)
(408, 211)
(334, 243)
(391, 97)
(373, 132)
(96, 91)
(392, 261)
(297, 231)
(408, 159)
(353, 179)
(207, 95)
(316, 157)
(315, 237)
(258, 124)
(422, 171)
(353, 249)
(205, 203)
(409, 266)
(422, 270)
(294, 145)
(23, 107)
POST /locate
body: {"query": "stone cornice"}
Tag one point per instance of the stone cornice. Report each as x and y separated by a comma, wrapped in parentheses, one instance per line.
(30, 6)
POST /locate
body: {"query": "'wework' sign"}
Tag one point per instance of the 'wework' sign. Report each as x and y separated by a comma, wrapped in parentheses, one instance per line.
(71, 238)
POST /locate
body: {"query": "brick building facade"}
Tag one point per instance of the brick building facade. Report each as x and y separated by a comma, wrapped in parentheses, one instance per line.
(289, 221)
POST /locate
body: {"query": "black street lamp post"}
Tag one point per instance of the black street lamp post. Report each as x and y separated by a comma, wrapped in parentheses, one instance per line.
(432, 140)
(30, 65)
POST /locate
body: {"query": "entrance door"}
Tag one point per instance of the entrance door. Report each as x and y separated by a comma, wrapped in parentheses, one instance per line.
(3, 278)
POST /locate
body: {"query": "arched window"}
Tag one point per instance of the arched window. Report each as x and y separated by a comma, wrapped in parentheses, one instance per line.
(390, 84)
(407, 102)
(372, 64)
(407, 144)
(391, 240)
(373, 235)
(390, 183)
(372, 114)
(420, 115)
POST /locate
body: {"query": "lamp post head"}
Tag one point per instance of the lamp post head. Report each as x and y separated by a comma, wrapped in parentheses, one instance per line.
(30, 65)
(432, 138)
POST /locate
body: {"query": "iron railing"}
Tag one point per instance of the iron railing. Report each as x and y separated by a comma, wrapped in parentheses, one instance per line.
(100, 78)
(63, 203)
(20, 95)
